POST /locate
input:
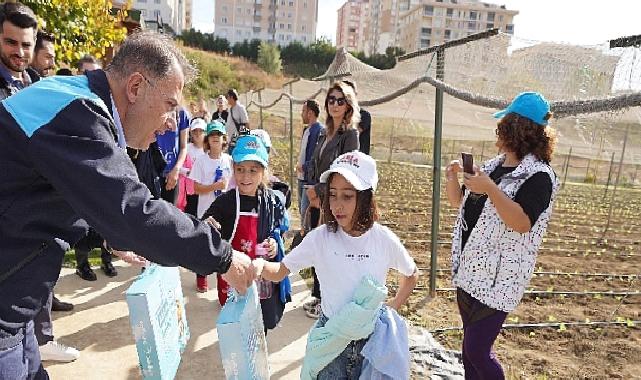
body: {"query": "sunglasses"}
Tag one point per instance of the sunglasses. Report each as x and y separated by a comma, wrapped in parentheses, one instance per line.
(331, 100)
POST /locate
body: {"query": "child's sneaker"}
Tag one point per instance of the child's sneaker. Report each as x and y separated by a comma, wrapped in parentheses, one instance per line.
(315, 312)
(201, 284)
(309, 305)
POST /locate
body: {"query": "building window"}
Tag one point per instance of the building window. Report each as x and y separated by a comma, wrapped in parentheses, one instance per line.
(472, 15)
(156, 1)
(258, 1)
(289, 15)
(223, 20)
(303, 28)
(305, 5)
(471, 25)
(291, 3)
(282, 2)
(289, 26)
(352, 30)
(281, 26)
(425, 43)
(304, 39)
(281, 37)
(289, 37)
(448, 33)
(449, 12)
(224, 7)
(489, 26)
(257, 29)
(509, 28)
(490, 16)
(142, 1)
(501, 18)
(428, 10)
(426, 31)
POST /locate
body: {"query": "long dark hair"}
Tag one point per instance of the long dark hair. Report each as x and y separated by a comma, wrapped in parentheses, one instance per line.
(353, 113)
(365, 215)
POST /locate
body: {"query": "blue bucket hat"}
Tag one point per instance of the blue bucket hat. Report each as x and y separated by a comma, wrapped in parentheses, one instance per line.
(531, 105)
(250, 148)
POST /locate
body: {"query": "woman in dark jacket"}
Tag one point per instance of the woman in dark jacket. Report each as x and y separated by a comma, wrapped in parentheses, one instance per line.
(339, 136)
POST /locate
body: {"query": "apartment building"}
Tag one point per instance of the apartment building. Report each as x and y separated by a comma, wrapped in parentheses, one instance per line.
(416, 24)
(277, 21)
(435, 22)
(171, 12)
(352, 26)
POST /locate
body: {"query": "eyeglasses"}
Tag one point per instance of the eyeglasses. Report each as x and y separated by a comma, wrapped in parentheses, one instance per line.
(331, 100)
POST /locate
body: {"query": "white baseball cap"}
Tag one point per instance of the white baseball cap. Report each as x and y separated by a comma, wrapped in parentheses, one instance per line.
(198, 123)
(358, 168)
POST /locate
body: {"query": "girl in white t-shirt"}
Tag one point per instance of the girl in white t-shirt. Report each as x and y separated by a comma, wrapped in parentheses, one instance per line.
(349, 246)
(211, 173)
(187, 198)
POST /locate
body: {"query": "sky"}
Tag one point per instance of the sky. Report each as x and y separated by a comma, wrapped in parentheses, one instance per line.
(583, 22)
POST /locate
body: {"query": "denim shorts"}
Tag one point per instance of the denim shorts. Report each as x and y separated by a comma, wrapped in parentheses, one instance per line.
(347, 365)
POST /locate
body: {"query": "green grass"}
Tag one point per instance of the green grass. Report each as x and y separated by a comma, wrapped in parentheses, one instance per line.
(69, 260)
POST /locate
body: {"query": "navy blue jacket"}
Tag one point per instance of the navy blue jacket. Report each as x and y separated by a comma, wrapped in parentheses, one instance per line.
(60, 163)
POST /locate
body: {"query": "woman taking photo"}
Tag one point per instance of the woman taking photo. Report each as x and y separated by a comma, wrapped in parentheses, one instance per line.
(504, 209)
(339, 136)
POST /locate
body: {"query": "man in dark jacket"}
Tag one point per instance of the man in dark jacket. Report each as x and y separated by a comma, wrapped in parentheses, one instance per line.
(63, 159)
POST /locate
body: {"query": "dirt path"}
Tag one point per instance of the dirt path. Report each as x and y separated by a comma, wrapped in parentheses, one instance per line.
(99, 328)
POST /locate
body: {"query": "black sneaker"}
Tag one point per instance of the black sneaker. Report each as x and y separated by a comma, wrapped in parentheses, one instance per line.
(109, 269)
(86, 273)
(57, 305)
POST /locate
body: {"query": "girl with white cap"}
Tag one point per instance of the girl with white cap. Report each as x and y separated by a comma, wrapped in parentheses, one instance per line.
(348, 250)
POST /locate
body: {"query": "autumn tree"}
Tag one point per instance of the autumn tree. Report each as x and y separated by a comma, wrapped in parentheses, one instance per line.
(81, 26)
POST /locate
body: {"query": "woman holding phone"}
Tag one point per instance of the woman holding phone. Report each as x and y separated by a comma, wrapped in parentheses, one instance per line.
(504, 209)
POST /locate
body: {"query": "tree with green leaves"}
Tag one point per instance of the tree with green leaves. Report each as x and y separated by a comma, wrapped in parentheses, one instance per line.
(80, 26)
(269, 58)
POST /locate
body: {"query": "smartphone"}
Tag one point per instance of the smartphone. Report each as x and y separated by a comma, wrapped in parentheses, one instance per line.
(468, 163)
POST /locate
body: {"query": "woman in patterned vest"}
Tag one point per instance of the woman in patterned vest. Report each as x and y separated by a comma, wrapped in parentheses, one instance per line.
(504, 209)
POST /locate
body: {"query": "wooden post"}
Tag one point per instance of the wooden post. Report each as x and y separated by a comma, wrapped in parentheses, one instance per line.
(616, 183)
(567, 165)
(609, 176)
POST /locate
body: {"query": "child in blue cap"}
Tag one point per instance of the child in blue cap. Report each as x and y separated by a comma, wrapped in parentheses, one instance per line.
(211, 174)
(251, 217)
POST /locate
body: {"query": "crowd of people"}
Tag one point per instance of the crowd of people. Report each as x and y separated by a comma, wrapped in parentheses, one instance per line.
(205, 176)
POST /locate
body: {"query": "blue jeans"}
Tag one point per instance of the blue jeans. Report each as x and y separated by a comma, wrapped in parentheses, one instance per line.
(22, 361)
(347, 365)
(303, 200)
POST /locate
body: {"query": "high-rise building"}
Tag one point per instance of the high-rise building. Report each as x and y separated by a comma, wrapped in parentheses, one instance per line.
(170, 12)
(417, 24)
(435, 22)
(353, 25)
(277, 21)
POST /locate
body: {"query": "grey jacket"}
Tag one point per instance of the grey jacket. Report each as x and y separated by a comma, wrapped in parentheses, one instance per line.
(344, 141)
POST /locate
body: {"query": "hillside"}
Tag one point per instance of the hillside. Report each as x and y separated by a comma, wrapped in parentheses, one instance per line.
(219, 73)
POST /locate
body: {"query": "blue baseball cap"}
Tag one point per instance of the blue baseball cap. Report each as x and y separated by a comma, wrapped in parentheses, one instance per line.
(250, 148)
(528, 104)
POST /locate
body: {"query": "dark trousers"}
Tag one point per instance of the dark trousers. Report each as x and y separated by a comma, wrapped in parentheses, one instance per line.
(86, 244)
(23, 360)
(481, 326)
(42, 325)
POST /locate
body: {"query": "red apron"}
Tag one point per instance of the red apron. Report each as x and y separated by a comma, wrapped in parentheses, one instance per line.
(244, 240)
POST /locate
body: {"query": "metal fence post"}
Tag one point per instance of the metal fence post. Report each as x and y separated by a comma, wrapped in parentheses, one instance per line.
(436, 170)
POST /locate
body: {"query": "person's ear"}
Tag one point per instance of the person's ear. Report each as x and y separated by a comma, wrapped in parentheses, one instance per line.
(134, 86)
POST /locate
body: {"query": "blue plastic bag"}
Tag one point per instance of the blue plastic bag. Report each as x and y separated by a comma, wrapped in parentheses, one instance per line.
(241, 337)
(158, 321)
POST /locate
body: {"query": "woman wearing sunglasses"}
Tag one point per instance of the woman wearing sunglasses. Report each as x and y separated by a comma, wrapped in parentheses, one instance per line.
(339, 136)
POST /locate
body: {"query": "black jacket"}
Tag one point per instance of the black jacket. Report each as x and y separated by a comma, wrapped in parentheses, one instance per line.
(344, 141)
(59, 163)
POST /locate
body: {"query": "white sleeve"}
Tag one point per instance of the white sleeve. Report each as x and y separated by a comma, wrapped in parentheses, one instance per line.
(303, 255)
(400, 259)
(196, 173)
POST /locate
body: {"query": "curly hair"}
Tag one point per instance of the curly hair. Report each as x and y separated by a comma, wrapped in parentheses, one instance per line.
(353, 112)
(365, 215)
(523, 136)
